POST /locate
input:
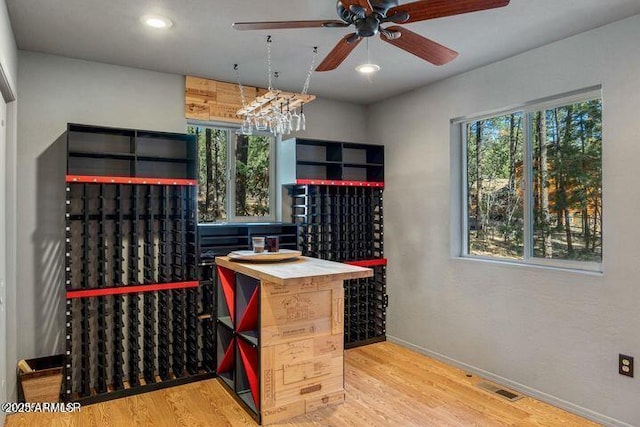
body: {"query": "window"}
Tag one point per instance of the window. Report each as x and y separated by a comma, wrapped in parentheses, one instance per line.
(235, 175)
(533, 184)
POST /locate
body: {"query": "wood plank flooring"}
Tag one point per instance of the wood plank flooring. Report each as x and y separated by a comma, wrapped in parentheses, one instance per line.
(386, 385)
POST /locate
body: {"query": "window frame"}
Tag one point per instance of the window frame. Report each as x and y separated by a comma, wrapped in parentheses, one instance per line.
(230, 204)
(527, 110)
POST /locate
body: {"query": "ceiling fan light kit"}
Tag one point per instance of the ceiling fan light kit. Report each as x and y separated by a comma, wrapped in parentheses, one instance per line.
(367, 68)
(156, 21)
(368, 16)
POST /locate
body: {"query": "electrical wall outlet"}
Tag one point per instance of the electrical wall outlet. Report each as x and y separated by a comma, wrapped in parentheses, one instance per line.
(625, 365)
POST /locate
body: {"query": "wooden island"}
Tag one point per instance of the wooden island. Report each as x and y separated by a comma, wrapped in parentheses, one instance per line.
(280, 334)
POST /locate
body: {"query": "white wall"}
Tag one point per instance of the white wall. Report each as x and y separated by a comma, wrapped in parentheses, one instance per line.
(552, 331)
(56, 90)
(9, 65)
(326, 120)
(334, 121)
(8, 49)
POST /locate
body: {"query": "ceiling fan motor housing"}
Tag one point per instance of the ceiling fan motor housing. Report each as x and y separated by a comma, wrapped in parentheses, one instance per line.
(379, 8)
(368, 27)
(383, 5)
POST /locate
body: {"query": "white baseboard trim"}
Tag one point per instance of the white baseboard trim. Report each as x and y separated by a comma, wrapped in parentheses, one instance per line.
(544, 397)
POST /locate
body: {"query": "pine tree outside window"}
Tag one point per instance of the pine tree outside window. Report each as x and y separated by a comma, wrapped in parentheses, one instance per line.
(532, 183)
(236, 175)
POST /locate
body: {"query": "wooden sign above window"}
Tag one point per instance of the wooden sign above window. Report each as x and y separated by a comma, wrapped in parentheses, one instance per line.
(216, 101)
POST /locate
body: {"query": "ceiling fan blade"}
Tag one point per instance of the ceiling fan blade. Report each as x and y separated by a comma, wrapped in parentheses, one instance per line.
(340, 52)
(431, 9)
(282, 25)
(419, 46)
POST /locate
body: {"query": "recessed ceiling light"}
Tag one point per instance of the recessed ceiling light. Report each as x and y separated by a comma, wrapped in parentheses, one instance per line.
(367, 68)
(156, 21)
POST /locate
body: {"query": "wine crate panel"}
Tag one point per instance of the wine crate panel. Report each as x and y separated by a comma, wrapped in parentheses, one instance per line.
(271, 335)
(312, 368)
(293, 308)
(306, 389)
(309, 348)
(302, 359)
(321, 402)
(273, 289)
(283, 412)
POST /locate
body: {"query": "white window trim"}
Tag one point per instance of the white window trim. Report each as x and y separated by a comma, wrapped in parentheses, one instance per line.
(459, 138)
(230, 205)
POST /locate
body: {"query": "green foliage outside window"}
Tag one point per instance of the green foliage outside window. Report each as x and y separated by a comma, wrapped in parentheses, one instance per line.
(249, 173)
(252, 175)
(565, 187)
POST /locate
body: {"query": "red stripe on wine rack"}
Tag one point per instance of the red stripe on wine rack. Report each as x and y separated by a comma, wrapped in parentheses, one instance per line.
(129, 180)
(368, 262)
(339, 183)
(121, 290)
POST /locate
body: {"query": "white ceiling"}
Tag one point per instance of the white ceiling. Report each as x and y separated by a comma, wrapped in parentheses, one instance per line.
(202, 42)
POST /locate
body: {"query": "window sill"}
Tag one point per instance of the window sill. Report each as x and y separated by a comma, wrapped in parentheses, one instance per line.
(241, 223)
(531, 265)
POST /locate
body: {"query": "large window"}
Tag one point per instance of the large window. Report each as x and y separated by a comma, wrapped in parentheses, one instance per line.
(235, 175)
(533, 184)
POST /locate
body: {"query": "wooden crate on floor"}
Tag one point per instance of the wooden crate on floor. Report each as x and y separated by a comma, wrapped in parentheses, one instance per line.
(44, 382)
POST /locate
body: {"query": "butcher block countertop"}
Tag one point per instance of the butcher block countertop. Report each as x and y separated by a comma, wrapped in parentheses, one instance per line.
(303, 270)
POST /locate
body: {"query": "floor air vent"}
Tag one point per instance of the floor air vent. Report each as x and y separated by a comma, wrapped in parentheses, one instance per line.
(510, 395)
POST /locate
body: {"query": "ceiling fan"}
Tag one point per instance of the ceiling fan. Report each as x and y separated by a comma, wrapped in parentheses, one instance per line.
(367, 16)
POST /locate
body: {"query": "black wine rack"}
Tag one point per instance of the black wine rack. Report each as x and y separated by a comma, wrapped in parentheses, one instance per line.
(365, 309)
(136, 313)
(338, 223)
(220, 239)
(137, 317)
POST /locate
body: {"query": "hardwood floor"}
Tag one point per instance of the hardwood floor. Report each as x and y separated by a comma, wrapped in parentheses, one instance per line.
(386, 385)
